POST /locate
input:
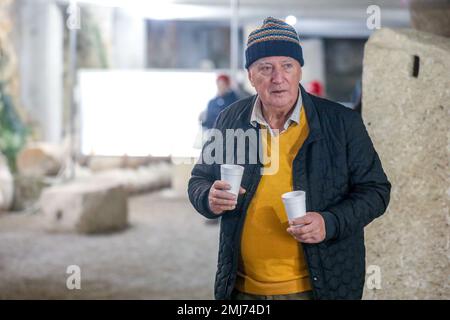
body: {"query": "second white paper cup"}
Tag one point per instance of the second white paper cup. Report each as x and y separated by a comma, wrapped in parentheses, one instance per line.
(232, 174)
(295, 204)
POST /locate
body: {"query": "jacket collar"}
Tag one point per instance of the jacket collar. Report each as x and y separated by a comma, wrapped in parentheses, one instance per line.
(257, 116)
(315, 128)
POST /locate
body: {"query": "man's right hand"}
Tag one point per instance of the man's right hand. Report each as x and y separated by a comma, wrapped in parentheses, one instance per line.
(219, 199)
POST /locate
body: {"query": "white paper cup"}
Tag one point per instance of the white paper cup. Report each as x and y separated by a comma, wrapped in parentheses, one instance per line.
(232, 174)
(295, 204)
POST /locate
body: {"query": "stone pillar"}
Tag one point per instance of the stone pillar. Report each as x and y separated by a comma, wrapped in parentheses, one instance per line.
(406, 107)
(41, 65)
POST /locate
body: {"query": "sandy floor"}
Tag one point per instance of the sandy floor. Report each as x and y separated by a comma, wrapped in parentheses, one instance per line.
(168, 252)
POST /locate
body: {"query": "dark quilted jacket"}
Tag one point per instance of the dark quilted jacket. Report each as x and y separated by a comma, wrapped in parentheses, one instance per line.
(344, 181)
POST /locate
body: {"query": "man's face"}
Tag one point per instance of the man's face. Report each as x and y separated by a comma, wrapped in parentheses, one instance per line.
(276, 81)
(222, 87)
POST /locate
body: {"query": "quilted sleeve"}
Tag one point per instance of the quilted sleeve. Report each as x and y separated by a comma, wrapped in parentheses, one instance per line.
(202, 177)
(369, 192)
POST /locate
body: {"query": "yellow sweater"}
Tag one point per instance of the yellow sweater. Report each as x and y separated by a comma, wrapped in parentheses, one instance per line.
(272, 261)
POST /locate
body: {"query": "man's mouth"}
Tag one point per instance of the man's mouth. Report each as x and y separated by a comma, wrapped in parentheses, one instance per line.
(278, 91)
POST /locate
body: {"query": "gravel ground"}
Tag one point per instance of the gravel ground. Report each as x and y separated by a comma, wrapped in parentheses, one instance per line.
(167, 252)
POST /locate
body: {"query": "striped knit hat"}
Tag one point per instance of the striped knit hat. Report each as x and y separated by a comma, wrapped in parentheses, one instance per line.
(274, 38)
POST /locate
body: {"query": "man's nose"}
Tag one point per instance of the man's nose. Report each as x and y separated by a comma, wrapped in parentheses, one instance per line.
(277, 76)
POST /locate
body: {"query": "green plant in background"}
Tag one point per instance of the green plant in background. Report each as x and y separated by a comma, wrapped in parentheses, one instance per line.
(12, 131)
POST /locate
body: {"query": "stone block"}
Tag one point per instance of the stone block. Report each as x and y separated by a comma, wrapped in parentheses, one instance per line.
(85, 207)
(181, 173)
(143, 179)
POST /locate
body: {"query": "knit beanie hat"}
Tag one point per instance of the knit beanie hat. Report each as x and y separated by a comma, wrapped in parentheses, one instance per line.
(274, 38)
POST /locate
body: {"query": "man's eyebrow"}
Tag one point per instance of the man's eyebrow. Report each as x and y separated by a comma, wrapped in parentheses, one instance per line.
(263, 63)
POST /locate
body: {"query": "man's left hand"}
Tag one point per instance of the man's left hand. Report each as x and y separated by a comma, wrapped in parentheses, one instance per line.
(312, 231)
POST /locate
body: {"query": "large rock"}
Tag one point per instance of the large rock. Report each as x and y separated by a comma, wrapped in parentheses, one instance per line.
(406, 97)
(181, 173)
(39, 160)
(104, 163)
(85, 207)
(143, 179)
(6, 185)
(98, 164)
(27, 190)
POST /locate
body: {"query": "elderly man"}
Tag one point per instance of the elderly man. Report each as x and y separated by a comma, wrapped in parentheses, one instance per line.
(323, 149)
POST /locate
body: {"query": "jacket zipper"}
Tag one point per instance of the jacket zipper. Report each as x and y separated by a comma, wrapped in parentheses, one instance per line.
(240, 225)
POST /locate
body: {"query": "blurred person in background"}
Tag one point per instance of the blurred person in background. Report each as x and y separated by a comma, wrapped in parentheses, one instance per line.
(315, 87)
(225, 97)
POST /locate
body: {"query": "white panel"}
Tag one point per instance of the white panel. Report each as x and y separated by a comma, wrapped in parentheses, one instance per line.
(142, 113)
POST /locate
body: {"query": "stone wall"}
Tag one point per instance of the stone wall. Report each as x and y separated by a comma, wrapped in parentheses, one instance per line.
(406, 97)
